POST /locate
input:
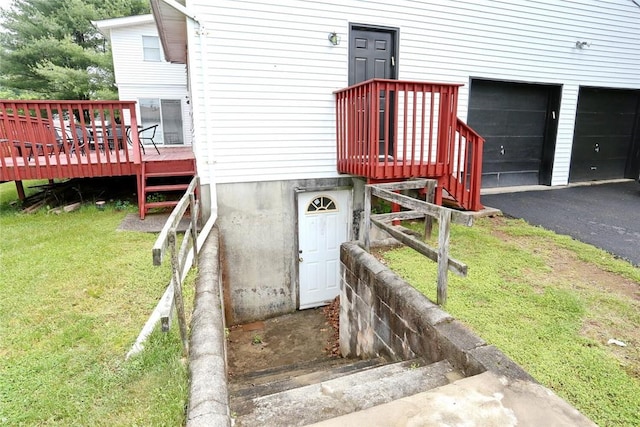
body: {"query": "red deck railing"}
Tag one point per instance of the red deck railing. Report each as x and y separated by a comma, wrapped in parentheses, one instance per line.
(67, 139)
(394, 130)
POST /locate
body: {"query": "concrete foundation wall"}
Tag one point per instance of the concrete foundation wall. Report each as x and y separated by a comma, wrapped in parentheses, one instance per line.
(258, 230)
(381, 314)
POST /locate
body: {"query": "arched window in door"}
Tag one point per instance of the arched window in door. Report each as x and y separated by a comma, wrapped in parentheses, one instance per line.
(321, 204)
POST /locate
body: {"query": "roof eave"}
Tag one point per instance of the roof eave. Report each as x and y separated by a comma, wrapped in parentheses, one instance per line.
(172, 29)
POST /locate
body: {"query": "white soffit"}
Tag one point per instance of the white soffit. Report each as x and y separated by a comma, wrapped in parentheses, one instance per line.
(172, 29)
(106, 25)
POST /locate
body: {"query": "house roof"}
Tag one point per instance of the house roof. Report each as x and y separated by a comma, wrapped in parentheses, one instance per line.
(172, 28)
(106, 25)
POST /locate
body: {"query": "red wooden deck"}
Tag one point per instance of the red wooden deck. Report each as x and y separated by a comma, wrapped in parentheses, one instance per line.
(80, 139)
(394, 130)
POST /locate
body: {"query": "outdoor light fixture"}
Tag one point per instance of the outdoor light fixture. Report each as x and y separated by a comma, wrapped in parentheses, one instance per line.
(334, 38)
(582, 45)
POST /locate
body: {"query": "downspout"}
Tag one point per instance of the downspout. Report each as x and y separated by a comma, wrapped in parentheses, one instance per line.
(202, 33)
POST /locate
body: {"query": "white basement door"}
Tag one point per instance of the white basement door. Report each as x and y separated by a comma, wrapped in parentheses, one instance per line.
(323, 224)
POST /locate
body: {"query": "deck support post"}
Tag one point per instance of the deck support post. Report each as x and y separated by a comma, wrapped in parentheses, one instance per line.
(20, 190)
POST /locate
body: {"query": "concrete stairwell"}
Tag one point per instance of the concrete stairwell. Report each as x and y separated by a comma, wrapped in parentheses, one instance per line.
(324, 392)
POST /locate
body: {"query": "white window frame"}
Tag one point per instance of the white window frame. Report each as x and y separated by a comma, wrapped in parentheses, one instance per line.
(151, 51)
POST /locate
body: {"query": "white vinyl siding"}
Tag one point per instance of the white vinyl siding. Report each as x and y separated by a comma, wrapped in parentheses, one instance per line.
(129, 63)
(138, 79)
(266, 103)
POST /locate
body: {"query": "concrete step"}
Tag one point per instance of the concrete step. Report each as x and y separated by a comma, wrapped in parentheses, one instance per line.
(344, 395)
(274, 380)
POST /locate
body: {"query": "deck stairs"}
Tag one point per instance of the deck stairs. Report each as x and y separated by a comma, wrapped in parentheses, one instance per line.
(163, 183)
(311, 392)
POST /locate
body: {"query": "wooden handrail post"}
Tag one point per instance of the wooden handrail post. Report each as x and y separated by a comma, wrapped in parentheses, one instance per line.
(194, 207)
(177, 291)
(366, 226)
(443, 255)
(430, 194)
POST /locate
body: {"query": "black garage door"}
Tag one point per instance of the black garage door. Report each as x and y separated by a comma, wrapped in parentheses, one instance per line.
(519, 124)
(606, 136)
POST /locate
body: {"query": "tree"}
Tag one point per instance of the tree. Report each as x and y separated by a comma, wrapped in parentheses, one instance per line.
(51, 49)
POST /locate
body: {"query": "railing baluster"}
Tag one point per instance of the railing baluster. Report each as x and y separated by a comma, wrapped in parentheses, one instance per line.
(423, 169)
(415, 166)
(393, 132)
(405, 123)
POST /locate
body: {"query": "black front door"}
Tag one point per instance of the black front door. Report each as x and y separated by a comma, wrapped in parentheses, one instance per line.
(372, 54)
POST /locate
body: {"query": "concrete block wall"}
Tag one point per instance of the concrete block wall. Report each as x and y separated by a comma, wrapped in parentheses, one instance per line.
(381, 314)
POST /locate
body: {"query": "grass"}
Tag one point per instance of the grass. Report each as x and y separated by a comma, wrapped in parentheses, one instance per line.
(549, 302)
(74, 294)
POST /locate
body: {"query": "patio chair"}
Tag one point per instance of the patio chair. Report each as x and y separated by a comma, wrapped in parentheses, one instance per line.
(66, 138)
(115, 137)
(82, 136)
(147, 134)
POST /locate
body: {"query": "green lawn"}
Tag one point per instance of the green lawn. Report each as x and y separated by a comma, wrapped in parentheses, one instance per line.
(74, 294)
(551, 304)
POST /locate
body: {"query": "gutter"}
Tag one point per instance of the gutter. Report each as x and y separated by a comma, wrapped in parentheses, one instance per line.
(203, 58)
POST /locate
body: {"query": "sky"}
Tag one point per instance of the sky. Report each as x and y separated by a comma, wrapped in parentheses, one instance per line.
(4, 4)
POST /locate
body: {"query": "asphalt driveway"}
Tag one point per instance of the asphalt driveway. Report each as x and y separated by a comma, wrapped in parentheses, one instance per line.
(604, 215)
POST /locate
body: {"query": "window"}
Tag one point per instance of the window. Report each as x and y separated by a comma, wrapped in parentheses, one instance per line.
(151, 48)
(321, 204)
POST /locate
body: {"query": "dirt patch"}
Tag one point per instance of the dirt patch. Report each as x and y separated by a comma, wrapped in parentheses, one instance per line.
(293, 338)
(565, 265)
(602, 322)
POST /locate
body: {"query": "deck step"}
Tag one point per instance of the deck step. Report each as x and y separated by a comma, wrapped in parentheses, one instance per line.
(274, 380)
(170, 174)
(163, 204)
(166, 187)
(339, 396)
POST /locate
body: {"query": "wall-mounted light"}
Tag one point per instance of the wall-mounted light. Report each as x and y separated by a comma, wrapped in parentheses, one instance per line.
(334, 38)
(582, 44)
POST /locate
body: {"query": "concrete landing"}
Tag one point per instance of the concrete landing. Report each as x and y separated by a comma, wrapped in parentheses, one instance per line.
(482, 400)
